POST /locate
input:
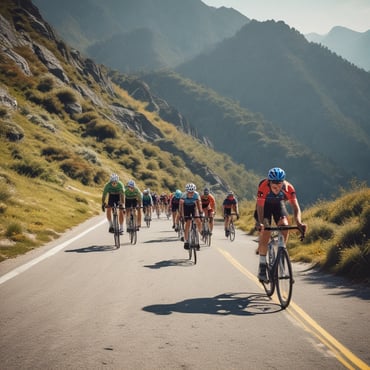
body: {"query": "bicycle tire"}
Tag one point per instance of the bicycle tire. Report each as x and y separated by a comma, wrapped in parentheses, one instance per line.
(133, 238)
(117, 242)
(284, 275)
(192, 245)
(232, 231)
(269, 285)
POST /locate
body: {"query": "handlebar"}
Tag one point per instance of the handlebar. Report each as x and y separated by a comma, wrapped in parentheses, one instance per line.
(302, 229)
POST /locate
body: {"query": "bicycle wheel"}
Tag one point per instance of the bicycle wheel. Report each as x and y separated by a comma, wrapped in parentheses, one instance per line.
(116, 230)
(269, 285)
(232, 231)
(284, 280)
(133, 233)
(192, 245)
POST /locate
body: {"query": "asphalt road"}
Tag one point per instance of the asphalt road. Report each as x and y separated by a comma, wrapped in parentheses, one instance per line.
(79, 303)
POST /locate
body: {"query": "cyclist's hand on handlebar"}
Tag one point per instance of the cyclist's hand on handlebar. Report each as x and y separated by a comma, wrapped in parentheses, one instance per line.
(103, 207)
(259, 227)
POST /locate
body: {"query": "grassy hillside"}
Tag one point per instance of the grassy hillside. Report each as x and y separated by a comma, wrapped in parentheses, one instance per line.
(64, 127)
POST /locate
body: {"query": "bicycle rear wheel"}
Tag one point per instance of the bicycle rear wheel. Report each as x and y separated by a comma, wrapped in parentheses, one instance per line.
(133, 235)
(232, 231)
(284, 282)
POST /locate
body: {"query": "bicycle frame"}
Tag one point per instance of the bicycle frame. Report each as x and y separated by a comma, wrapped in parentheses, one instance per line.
(279, 267)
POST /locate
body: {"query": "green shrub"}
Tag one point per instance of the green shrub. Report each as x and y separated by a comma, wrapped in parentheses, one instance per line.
(101, 130)
(66, 96)
(319, 231)
(46, 84)
(13, 231)
(28, 168)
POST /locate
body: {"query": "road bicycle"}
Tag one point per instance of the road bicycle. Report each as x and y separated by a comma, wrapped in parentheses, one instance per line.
(206, 232)
(231, 229)
(193, 240)
(131, 224)
(147, 217)
(116, 231)
(279, 267)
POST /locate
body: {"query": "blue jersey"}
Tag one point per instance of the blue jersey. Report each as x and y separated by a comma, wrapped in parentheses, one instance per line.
(192, 200)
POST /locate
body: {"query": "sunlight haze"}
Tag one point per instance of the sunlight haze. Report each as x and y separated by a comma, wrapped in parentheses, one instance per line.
(306, 16)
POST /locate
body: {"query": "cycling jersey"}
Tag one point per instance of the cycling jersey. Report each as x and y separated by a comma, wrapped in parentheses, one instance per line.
(174, 203)
(147, 201)
(208, 201)
(190, 208)
(132, 197)
(228, 204)
(274, 204)
(115, 193)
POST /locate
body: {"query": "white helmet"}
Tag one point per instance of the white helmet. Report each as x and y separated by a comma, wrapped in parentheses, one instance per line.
(190, 187)
(131, 183)
(114, 177)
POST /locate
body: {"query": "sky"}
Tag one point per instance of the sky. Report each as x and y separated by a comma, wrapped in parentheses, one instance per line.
(306, 16)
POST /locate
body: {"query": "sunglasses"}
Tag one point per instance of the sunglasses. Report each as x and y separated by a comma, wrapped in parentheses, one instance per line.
(276, 182)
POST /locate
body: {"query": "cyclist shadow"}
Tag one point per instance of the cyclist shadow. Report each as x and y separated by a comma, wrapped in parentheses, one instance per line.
(93, 248)
(170, 263)
(240, 304)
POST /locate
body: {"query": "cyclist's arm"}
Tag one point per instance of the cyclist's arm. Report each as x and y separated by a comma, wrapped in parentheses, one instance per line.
(296, 211)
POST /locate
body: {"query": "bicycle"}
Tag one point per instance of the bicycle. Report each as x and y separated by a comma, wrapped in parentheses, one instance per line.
(116, 231)
(131, 225)
(206, 232)
(279, 267)
(193, 240)
(231, 230)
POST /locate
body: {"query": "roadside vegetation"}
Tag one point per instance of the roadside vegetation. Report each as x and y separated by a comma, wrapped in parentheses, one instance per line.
(337, 240)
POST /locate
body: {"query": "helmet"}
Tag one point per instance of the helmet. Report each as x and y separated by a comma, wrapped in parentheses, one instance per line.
(178, 193)
(190, 187)
(146, 191)
(276, 174)
(206, 191)
(230, 192)
(131, 183)
(114, 177)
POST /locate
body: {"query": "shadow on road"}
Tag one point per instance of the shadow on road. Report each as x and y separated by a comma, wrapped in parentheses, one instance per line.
(244, 304)
(170, 263)
(93, 248)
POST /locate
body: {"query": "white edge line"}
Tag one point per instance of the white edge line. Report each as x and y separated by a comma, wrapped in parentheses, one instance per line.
(46, 255)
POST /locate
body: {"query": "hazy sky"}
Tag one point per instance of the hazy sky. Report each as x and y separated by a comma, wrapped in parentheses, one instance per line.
(306, 16)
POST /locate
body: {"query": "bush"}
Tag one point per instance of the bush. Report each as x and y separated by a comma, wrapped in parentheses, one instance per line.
(13, 231)
(319, 231)
(66, 96)
(101, 130)
(46, 84)
(28, 168)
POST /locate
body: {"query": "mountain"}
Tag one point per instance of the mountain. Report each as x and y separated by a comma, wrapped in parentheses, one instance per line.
(351, 45)
(313, 95)
(140, 34)
(65, 127)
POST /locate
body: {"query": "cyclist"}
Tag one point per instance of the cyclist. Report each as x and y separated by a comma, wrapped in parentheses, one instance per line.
(147, 203)
(174, 207)
(229, 205)
(208, 206)
(116, 190)
(190, 206)
(133, 198)
(272, 194)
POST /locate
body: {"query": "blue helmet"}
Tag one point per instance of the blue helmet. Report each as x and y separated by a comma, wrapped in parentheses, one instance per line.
(276, 174)
(178, 193)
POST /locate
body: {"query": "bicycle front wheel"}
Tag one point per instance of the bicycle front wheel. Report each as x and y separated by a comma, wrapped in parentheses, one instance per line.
(232, 231)
(117, 242)
(192, 246)
(284, 282)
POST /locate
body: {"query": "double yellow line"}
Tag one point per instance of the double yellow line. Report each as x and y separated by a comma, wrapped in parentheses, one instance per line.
(343, 354)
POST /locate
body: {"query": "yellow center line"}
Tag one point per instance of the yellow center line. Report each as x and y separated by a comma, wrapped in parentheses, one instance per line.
(342, 353)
